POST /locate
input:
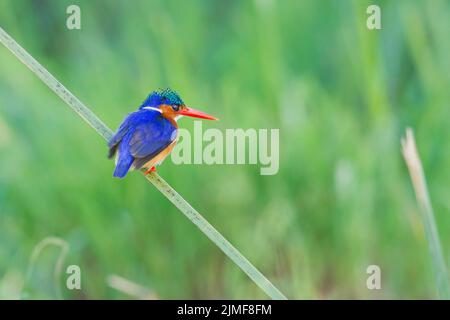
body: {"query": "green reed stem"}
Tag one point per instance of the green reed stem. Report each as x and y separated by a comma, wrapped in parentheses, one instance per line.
(192, 214)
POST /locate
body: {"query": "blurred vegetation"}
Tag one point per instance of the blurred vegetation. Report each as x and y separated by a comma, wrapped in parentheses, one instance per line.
(341, 95)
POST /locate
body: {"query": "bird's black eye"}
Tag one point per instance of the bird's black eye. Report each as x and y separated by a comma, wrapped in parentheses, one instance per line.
(175, 107)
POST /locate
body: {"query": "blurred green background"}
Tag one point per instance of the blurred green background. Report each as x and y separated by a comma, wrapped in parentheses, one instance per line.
(340, 94)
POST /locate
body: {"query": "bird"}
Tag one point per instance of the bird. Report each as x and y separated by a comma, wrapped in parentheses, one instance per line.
(148, 135)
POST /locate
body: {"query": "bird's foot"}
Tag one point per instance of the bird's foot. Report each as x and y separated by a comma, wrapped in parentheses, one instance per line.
(152, 169)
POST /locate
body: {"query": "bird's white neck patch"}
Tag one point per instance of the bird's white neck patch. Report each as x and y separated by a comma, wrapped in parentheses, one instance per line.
(152, 108)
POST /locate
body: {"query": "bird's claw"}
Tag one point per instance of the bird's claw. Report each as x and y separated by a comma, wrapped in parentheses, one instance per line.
(152, 169)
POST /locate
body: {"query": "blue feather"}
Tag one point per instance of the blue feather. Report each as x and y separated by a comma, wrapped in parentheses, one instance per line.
(123, 165)
(124, 158)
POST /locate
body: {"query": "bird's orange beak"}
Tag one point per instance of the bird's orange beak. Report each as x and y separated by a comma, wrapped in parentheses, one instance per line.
(195, 114)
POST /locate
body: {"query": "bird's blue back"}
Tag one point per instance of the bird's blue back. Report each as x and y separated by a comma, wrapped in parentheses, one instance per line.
(141, 136)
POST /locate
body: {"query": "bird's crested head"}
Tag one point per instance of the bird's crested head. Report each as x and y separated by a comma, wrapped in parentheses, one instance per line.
(162, 97)
(170, 105)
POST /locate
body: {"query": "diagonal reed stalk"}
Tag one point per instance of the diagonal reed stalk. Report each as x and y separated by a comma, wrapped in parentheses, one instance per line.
(154, 178)
(415, 168)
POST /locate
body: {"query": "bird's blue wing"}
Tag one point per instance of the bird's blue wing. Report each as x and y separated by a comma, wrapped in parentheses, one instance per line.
(150, 138)
(121, 132)
(147, 139)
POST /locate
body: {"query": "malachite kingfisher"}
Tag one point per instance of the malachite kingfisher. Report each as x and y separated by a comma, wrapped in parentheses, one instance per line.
(149, 134)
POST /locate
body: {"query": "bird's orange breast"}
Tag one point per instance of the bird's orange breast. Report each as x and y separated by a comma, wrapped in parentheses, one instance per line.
(160, 156)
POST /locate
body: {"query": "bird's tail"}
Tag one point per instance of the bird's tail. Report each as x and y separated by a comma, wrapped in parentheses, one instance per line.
(123, 164)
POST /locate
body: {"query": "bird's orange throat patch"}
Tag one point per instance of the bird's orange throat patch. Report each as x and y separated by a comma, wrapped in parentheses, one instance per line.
(169, 114)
